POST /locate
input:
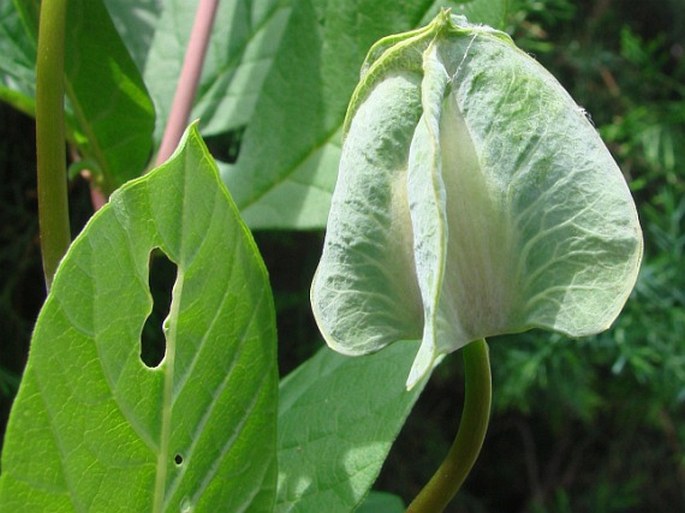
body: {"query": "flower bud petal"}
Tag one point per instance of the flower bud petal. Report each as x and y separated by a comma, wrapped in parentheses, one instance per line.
(474, 199)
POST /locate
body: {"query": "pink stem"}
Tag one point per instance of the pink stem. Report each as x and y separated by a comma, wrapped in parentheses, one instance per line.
(190, 76)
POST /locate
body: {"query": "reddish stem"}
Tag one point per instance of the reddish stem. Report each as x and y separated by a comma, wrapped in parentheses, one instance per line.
(190, 77)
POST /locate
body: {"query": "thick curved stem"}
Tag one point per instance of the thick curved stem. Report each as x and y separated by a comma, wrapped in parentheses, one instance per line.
(452, 473)
(53, 208)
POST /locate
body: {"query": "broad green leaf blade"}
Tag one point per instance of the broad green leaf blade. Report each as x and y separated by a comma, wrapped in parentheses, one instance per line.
(338, 417)
(109, 114)
(285, 173)
(93, 428)
(244, 38)
(17, 60)
(135, 21)
(113, 113)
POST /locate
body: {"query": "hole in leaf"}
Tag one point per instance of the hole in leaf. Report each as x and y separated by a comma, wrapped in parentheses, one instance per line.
(225, 146)
(161, 279)
(178, 459)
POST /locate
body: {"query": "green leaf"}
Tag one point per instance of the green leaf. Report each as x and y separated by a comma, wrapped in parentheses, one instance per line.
(110, 116)
(338, 417)
(135, 21)
(244, 38)
(259, 42)
(487, 12)
(285, 176)
(113, 113)
(286, 170)
(17, 60)
(381, 502)
(93, 428)
(474, 199)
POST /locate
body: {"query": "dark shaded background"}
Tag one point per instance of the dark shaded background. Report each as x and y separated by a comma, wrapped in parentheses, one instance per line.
(595, 425)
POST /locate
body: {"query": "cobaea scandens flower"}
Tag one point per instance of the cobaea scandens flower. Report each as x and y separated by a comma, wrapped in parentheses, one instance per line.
(474, 198)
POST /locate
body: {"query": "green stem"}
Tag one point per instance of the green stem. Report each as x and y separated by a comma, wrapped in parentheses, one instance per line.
(53, 207)
(452, 473)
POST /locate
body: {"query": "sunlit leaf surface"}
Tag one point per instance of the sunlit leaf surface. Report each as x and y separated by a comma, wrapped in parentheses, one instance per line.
(338, 417)
(94, 428)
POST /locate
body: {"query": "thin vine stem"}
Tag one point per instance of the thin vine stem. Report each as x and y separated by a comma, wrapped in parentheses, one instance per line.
(53, 205)
(452, 473)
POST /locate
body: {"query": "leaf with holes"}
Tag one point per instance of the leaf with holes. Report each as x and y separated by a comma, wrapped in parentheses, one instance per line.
(95, 429)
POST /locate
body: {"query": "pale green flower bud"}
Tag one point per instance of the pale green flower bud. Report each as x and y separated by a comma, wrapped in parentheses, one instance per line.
(474, 198)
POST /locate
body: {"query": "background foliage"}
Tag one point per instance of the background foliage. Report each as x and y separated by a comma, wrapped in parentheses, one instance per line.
(596, 425)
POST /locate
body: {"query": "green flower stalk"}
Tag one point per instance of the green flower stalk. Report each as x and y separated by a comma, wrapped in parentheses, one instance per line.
(474, 198)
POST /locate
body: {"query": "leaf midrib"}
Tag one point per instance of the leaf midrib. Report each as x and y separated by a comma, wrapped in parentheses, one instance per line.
(168, 364)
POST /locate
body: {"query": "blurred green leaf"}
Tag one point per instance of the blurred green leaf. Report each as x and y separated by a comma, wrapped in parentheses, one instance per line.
(95, 429)
(244, 39)
(338, 417)
(288, 160)
(488, 12)
(109, 114)
(381, 502)
(135, 21)
(113, 114)
(17, 60)
(287, 166)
